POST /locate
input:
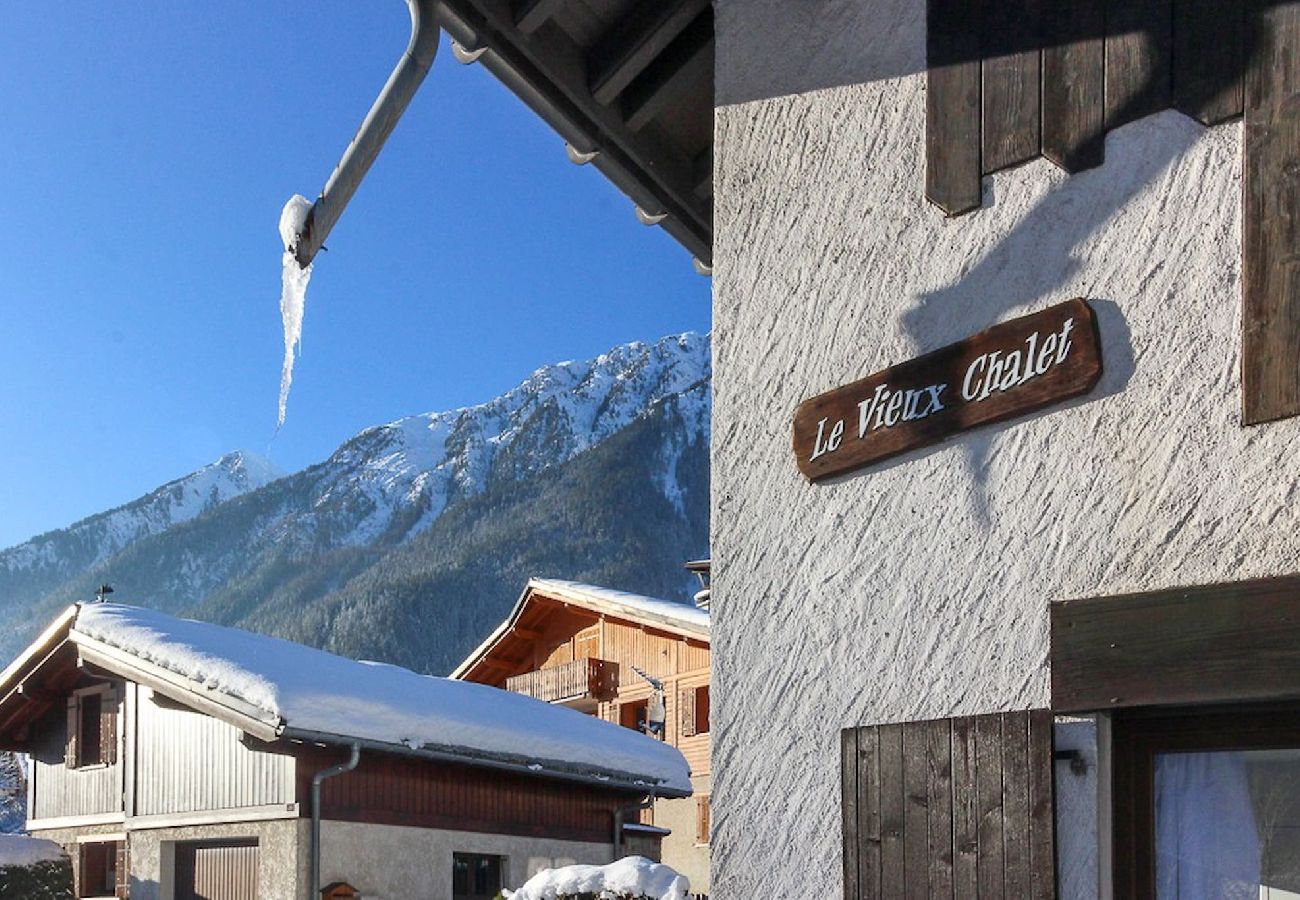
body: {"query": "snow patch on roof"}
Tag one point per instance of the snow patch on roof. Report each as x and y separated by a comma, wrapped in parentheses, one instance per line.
(314, 691)
(632, 876)
(681, 614)
(21, 850)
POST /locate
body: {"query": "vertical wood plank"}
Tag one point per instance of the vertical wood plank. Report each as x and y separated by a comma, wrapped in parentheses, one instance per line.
(1271, 215)
(916, 824)
(952, 124)
(1074, 66)
(892, 882)
(1042, 809)
(849, 810)
(1011, 50)
(938, 753)
(1015, 802)
(1138, 72)
(965, 814)
(988, 799)
(869, 885)
(1207, 59)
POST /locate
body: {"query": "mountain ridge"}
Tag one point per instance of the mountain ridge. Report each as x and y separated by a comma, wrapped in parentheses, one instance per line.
(293, 555)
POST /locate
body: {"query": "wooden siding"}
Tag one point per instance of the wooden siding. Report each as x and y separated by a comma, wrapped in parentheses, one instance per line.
(187, 761)
(58, 791)
(1216, 643)
(395, 790)
(952, 808)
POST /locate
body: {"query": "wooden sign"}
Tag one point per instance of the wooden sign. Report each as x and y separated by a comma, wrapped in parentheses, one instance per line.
(1007, 371)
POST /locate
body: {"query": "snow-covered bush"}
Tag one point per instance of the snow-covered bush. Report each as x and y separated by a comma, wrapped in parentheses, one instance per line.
(34, 869)
(631, 878)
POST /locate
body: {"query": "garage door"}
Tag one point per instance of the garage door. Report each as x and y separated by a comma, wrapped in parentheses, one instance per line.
(216, 870)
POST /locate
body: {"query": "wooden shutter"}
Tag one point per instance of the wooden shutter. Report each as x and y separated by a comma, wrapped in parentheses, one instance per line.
(686, 712)
(702, 819)
(74, 725)
(950, 808)
(123, 891)
(108, 703)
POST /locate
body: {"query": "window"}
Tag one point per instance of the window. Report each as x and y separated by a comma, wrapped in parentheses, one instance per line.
(98, 869)
(475, 876)
(633, 715)
(92, 727)
(702, 819)
(693, 707)
(1207, 803)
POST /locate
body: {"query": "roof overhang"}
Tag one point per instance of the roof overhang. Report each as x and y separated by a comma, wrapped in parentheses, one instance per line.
(627, 80)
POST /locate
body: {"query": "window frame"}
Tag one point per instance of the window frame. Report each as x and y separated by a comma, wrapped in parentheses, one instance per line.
(109, 699)
(471, 859)
(114, 858)
(1139, 735)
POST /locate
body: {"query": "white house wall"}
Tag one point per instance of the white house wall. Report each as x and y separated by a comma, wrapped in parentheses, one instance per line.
(389, 862)
(919, 588)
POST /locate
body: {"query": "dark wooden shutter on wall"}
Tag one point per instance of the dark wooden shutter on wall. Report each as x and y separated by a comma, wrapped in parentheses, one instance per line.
(951, 808)
(108, 726)
(74, 725)
(686, 712)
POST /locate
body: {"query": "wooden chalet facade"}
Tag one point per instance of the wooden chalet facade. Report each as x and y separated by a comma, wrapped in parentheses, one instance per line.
(592, 649)
(163, 786)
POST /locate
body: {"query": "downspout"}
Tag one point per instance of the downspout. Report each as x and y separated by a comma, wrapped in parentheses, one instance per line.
(622, 811)
(379, 122)
(315, 813)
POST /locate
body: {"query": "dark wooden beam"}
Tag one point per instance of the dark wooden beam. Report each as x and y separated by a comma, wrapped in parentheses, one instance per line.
(952, 106)
(1012, 82)
(1138, 68)
(1227, 642)
(682, 63)
(1270, 347)
(635, 42)
(1208, 48)
(702, 166)
(530, 14)
(1074, 95)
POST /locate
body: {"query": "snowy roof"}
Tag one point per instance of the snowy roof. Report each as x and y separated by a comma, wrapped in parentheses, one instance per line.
(678, 617)
(21, 850)
(307, 693)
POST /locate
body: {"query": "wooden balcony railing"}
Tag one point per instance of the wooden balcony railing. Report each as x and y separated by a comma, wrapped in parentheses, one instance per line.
(580, 679)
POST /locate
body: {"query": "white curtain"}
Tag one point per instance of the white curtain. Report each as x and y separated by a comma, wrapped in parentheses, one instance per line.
(1207, 841)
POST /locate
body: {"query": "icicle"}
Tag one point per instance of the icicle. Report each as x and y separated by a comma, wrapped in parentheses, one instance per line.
(293, 291)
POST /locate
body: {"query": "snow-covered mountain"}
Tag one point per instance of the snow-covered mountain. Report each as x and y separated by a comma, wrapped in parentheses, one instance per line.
(387, 528)
(60, 554)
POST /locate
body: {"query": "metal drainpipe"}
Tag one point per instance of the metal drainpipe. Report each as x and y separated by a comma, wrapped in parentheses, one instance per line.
(315, 813)
(648, 802)
(379, 122)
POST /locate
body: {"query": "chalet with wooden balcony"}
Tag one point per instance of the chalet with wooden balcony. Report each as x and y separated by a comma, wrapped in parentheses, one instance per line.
(179, 759)
(637, 661)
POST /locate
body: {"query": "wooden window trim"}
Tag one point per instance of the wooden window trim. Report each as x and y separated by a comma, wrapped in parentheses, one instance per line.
(110, 700)
(1138, 736)
(703, 815)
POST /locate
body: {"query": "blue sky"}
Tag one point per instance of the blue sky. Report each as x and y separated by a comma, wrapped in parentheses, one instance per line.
(146, 151)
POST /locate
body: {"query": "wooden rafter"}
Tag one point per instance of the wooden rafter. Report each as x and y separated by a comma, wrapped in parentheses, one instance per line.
(680, 65)
(635, 42)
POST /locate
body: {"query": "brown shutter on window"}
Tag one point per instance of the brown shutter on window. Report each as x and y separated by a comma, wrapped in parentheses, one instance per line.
(108, 727)
(686, 711)
(702, 819)
(123, 891)
(70, 747)
(950, 808)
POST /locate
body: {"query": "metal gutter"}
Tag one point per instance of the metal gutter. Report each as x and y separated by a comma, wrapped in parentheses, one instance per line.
(316, 781)
(535, 768)
(388, 107)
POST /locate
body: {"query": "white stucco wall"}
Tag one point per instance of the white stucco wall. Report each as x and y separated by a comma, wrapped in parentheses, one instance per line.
(919, 588)
(388, 862)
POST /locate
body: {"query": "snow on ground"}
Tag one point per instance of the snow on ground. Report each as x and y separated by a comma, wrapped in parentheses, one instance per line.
(632, 876)
(20, 850)
(293, 290)
(314, 691)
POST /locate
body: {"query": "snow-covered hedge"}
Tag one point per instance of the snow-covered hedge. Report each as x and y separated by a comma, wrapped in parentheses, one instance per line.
(34, 869)
(631, 878)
